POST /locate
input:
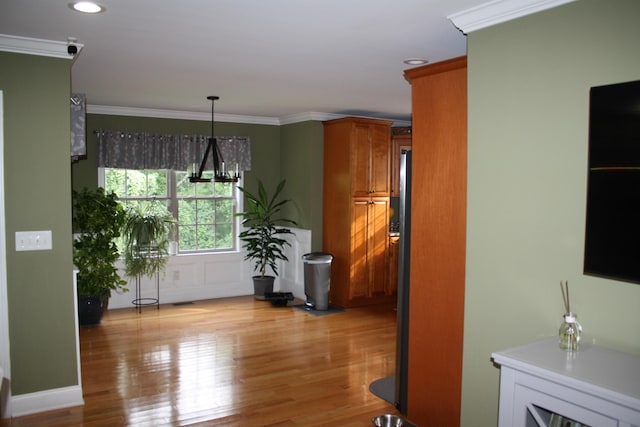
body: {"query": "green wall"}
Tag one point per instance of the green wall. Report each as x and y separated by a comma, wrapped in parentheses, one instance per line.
(529, 82)
(302, 166)
(37, 197)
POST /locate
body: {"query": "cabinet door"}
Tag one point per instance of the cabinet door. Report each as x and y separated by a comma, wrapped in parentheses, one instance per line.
(380, 150)
(378, 260)
(369, 247)
(359, 277)
(370, 162)
(360, 161)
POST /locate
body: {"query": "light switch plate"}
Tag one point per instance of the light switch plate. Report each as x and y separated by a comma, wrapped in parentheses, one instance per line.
(34, 240)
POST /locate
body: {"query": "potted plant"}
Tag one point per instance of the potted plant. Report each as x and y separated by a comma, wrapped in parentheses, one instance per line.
(146, 231)
(97, 220)
(262, 236)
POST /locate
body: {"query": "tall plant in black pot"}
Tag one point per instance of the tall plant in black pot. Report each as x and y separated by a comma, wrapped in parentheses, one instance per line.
(97, 219)
(262, 237)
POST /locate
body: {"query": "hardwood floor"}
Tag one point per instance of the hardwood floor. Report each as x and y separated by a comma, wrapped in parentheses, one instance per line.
(231, 362)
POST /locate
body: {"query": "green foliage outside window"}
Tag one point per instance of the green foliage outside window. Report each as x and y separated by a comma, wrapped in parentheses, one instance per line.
(204, 211)
(206, 214)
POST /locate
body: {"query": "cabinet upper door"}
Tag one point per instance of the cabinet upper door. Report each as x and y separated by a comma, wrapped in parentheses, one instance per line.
(370, 160)
(380, 160)
(360, 160)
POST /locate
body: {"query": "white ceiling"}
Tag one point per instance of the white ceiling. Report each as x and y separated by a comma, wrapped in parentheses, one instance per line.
(270, 59)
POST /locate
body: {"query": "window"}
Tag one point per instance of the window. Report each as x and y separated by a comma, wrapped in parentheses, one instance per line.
(205, 212)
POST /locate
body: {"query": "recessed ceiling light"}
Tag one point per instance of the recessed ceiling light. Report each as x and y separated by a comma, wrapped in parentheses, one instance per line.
(415, 61)
(87, 7)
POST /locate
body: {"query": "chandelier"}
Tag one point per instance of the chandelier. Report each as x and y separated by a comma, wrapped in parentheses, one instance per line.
(220, 173)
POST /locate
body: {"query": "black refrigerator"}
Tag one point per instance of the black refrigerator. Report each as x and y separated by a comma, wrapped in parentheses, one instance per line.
(404, 255)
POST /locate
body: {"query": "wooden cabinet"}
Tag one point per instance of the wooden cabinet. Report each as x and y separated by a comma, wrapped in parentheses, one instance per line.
(392, 269)
(356, 190)
(400, 140)
(438, 238)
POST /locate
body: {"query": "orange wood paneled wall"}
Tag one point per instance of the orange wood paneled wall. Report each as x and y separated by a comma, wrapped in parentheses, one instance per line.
(438, 237)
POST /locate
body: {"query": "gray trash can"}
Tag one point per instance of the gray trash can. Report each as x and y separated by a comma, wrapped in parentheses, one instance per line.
(317, 279)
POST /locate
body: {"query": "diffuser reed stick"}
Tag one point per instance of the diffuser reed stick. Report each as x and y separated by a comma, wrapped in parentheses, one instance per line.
(565, 296)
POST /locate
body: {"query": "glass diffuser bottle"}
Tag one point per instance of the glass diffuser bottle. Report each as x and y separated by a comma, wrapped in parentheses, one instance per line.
(570, 329)
(569, 332)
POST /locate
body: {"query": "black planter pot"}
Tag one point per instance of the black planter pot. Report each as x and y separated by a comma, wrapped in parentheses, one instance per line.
(90, 310)
(262, 285)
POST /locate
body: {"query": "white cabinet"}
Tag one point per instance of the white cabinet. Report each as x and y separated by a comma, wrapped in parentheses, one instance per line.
(594, 386)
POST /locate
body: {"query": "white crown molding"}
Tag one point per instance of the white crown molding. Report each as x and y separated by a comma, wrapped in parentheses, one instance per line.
(402, 123)
(41, 47)
(315, 116)
(311, 115)
(181, 115)
(229, 118)
(498, 11)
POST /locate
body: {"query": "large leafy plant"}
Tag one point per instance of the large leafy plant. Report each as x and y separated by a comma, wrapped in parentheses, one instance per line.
(264, 228)
(97, 218)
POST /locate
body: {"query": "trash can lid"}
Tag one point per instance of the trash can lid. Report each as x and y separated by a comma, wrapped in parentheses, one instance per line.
(317, 258)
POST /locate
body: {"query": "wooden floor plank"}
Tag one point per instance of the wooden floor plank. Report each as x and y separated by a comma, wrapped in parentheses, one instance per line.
(231, 362)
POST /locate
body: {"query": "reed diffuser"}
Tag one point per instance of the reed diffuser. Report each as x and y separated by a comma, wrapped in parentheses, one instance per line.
(570, 329)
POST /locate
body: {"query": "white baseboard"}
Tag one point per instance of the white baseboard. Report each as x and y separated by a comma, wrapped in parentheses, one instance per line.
(41, 401)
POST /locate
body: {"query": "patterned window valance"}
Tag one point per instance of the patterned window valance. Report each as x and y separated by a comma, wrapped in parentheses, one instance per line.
(131, 150)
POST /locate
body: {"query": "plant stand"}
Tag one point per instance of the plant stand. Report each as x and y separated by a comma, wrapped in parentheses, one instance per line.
(140, 301)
